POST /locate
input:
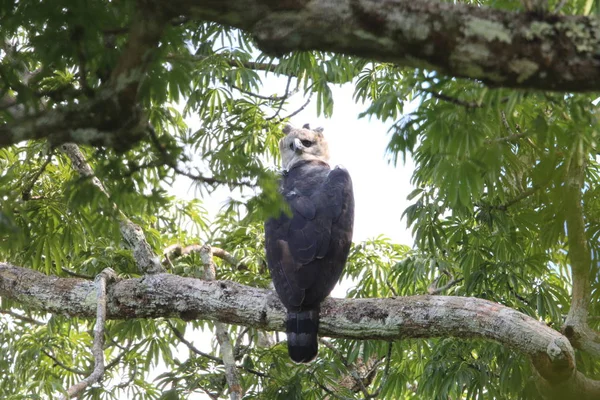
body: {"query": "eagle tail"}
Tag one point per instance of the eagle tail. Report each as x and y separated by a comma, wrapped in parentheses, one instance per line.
(301, 329)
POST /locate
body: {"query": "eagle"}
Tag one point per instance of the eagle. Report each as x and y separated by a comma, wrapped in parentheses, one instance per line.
(307, 248)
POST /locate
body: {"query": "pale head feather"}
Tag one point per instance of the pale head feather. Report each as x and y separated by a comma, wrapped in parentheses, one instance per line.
(301, 144)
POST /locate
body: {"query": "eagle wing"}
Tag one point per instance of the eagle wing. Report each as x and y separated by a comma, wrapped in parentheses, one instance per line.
(299, 248)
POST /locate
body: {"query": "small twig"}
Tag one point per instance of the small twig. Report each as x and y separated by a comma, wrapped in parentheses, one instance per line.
(22, 317)
(386, 371)
(358, 379)
(298, 110)
(190, 346)
(63, 365)
(98, 348)
(130, 379)
(517, 295)
(262, 97)
(227, 257)
(76, 274)
(117, 344)
(175, 251)
(523, 195)
(283, 99)
(389, 285)
(238, 342)
(199, 352)
(209, 394)
(437, 290)
(125, 351)
(512, 135)
(351, 369)
(81, 165)
(559, 6)
(165, 159)
(232, 62)
(452, 100)
(26, 193)
(327, 390)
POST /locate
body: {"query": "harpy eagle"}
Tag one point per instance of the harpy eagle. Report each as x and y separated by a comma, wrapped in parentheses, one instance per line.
(307, 250)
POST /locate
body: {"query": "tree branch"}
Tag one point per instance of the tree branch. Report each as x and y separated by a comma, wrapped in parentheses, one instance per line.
(512, 50)
(22, 317)
(433, 289)
(98, 348)
(165, 295)
(453, 100)
(132, 233)
(298, 111)
(177, 250)
(231, 373)
(576, 326)
(498, 47)
(26, 192)
(190, 346)
(63, 365)
(166, 159)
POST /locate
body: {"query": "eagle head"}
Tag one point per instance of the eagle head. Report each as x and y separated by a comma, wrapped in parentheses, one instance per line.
(301, 145)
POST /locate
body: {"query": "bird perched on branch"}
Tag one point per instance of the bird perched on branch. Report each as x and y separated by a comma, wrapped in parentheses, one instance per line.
(307, 250)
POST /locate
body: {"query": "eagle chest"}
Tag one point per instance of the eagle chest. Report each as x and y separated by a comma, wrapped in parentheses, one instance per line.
(307, 249)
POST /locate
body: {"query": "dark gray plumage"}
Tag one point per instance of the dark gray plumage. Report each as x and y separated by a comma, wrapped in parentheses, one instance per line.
(307, 251)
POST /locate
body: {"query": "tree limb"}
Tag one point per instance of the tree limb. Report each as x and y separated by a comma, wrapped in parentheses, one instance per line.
(576, 326)
(132, 233)
(498, 47)
(231, 373)
(165, 295)
(63, 365)
(450, 99)
(433, 289)
(177, 250)
(190, 346)
(98, 347)
(21, 317)
(26, 192)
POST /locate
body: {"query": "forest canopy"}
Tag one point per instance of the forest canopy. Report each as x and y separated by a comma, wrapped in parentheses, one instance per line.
(105, 275)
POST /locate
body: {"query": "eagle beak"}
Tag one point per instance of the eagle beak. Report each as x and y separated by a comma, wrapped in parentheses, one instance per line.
(298, 146)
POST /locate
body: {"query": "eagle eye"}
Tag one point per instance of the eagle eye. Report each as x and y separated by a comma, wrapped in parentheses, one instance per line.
(306, 143)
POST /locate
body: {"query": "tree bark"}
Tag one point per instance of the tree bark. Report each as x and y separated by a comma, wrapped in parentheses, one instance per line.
(498, 47)
(165, 295)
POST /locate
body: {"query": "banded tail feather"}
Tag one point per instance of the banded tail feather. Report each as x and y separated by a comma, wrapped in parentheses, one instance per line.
(301, 329)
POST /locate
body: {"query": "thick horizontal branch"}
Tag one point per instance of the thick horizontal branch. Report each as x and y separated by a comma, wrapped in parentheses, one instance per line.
(501, 48)
(165, 295)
